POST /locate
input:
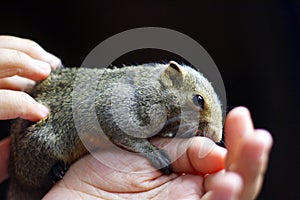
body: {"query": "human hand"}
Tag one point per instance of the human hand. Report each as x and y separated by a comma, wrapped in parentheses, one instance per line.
(243, 163)
(22, 62)
(247, 158)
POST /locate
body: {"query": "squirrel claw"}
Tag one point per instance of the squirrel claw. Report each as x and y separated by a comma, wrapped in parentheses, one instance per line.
(167, 170)
(160, 160)
(58, 171)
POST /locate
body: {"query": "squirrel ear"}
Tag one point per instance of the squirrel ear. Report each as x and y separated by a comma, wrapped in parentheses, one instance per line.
(173, 73)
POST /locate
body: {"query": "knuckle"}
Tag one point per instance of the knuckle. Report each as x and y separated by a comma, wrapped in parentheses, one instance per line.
(25, 97)
(20, 55)
(15, 57)
(21, 61)
(25, 102)
(22, 99)
(31, 45)
(13, 60)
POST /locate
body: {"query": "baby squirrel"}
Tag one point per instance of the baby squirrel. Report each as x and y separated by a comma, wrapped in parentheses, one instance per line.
(131, 103)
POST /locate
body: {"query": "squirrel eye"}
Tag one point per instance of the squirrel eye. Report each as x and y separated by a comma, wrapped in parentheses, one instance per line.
(198, 100)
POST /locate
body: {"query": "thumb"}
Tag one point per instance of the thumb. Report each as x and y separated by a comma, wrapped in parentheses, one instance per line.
(197, 155)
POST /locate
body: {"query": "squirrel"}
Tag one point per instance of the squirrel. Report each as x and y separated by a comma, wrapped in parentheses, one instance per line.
(131, 104)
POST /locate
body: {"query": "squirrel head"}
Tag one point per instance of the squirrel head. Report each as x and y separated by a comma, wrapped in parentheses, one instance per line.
(201, 112)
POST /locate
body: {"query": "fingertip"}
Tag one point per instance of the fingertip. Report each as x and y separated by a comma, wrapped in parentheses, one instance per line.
(54, 61)
(43, 68)
(211, 157)
(204, 157)
(43, 111)
(39, 114)
(230, 188)
(238, 124)
(197, 155)
(238, 112)
(265, 136)
(30, 109)
(224, 185)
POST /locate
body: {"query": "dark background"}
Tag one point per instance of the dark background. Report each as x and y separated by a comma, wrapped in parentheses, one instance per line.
(255, 45)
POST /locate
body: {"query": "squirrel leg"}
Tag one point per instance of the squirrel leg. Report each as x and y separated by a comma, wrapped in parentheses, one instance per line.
(36, 159)
(158, 157)
(18, 191)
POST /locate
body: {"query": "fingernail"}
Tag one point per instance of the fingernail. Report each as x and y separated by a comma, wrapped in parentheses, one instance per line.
(54, 61)
(43, 110)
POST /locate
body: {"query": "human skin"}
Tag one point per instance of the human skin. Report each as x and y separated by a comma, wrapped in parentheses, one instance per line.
(244, 162)
(22, 62)
(236, 172)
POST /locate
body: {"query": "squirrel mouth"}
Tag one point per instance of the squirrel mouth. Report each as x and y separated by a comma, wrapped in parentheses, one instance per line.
(173, 128)
(210, 131)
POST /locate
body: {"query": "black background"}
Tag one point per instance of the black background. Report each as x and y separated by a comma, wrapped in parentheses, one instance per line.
(255, 45)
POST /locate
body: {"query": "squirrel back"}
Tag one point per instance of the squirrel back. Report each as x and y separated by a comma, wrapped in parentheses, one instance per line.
(130, 105)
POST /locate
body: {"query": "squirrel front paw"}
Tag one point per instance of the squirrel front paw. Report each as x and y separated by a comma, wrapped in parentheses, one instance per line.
(160, 160)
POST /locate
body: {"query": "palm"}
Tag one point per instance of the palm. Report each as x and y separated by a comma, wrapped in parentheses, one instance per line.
(129, 176)
(90, 178)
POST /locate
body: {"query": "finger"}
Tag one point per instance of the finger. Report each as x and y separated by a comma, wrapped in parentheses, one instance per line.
(31, 48)
(16, 83)
(194, 155)
(238, 124)
(14, 62)
(4, 157)
(252, 161)
(14, 104)
(223, 185)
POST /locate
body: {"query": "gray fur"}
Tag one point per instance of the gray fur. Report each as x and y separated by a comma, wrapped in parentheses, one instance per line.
(131, 104)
